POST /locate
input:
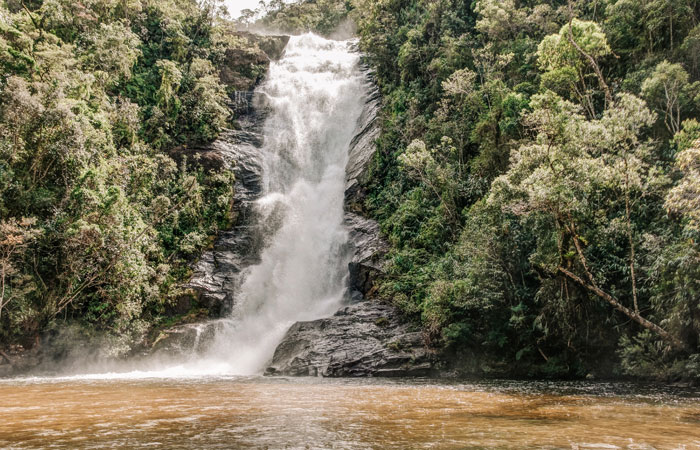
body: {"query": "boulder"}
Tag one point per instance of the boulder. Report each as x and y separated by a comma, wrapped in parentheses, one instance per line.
(367, 339)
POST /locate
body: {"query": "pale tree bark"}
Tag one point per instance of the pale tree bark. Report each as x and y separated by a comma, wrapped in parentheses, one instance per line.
(665, 335)
(589, 58)
(630, 236)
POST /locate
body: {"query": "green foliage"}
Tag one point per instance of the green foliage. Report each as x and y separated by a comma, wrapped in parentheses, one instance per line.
(515, 144)
(320, 16)
(668, 89)
(98, 225)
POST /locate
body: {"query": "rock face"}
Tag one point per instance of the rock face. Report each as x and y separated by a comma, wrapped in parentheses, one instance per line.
(217, 274)
(368, 246)
(368, 253)
(362, 149)
(245, 65)
(365, 339)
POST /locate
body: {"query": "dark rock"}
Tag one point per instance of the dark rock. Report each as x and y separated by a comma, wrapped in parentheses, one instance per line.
(369, 250)
(366, 339)
(217, 273)
(272, 45)
(187, 339)
(362, 149)
(368, 246)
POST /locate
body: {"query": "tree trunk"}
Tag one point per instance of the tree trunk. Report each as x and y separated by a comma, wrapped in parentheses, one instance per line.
(589, 58)
(665, 335)
(630, 236)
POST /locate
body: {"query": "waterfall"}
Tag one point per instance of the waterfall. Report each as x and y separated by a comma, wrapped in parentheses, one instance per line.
(315, 95)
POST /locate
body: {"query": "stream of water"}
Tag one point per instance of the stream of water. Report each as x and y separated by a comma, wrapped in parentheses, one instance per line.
(314, 96)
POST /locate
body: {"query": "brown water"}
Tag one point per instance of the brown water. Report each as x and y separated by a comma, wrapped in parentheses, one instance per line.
(314, 413)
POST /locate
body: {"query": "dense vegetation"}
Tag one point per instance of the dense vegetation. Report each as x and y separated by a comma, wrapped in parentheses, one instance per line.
(537, 175)
(538, 178)
(326, 17)
(97, 221)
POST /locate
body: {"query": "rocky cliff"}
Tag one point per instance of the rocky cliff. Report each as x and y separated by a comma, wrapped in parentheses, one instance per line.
(217, 274)
(364, 338)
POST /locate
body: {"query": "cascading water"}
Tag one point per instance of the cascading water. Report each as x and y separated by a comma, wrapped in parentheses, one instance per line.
(315, 95)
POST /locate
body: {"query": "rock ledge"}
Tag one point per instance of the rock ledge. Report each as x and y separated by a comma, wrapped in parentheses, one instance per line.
(367, 339)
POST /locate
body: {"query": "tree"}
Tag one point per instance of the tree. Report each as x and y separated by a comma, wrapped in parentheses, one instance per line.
(500, 20)
(569, 59)
(246, 17)
(666, 17)
(569, 164)
(15, 236)
(431, 169)
(668, 89)
(684, 198)
(111, 50)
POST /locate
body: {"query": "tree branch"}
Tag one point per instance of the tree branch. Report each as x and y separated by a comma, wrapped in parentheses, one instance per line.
(665, 335)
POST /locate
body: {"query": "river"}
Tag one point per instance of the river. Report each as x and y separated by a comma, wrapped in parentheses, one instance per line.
(107, 411)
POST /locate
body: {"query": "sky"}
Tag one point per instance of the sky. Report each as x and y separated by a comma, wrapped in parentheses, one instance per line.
(235, 6)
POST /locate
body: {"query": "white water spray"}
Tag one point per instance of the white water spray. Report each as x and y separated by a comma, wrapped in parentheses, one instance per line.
(316, 95)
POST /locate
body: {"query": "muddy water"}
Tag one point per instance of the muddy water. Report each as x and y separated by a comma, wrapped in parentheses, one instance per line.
(312, 413)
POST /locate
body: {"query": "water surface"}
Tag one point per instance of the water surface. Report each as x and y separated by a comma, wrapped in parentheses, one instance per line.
(239, 412)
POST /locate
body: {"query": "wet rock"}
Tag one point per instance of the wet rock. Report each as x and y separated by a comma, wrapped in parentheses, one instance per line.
(366, 241)
(188, 339)
(362, 340)
(368, 338)
(369, 250)
(272, 45)
(362, 149)
(217, 273)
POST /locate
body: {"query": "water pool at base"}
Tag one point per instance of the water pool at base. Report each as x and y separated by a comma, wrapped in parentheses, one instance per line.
(235, 412)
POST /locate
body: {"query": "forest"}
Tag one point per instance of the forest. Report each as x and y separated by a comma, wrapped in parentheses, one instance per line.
(100, 209)
(537, 173)
(538, 178)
